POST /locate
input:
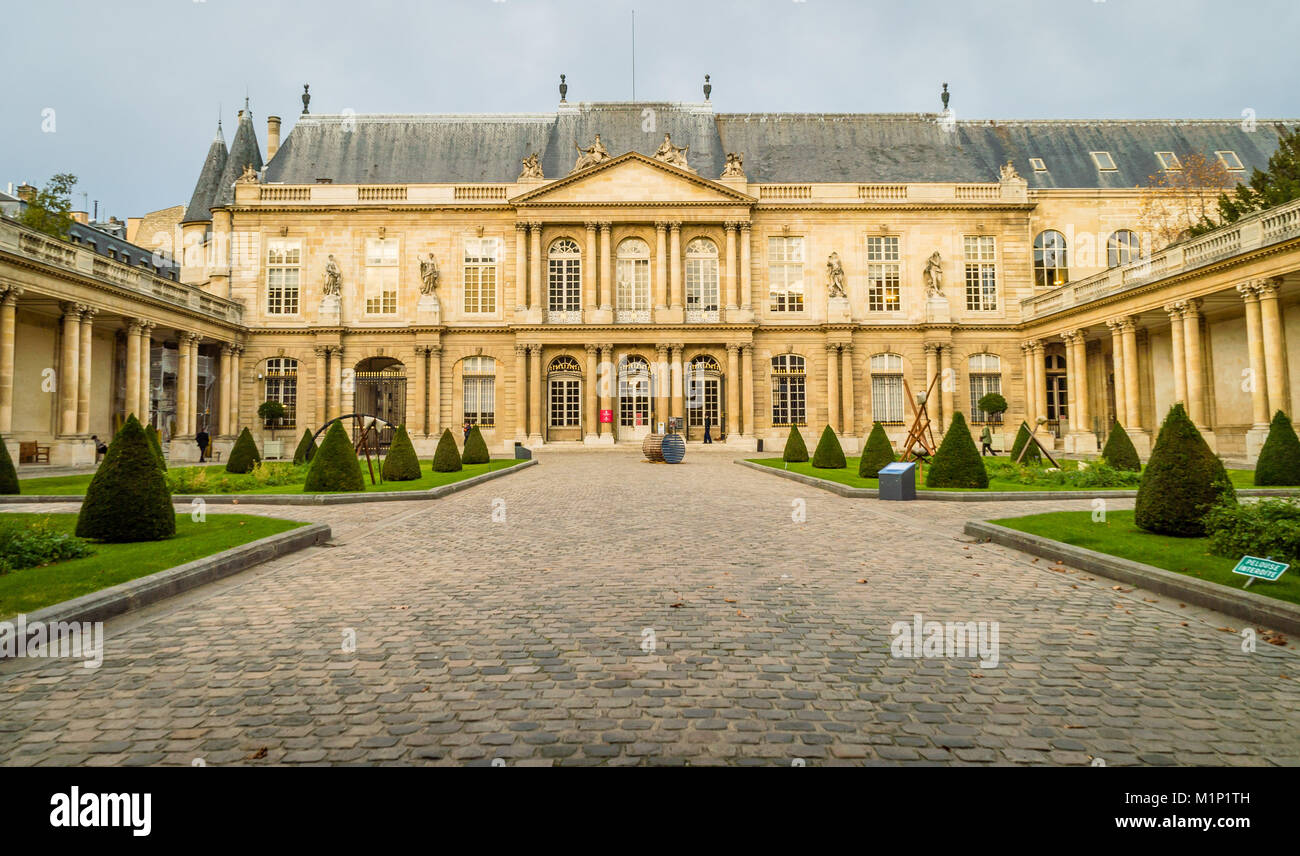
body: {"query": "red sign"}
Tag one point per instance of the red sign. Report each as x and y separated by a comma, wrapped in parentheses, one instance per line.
(607, 416)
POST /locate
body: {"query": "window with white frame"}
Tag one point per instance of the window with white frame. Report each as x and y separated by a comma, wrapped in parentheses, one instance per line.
(633, 392)
(701, 280)
(887, 401)
(1230, 160)
(283, 269)
(703, 392)
(479, 375)
(1123, 247)
(985, 372)
(564, 382)
(1169, 161)
(789, 401)
(785, 274)
(1103, 161)
(381, 276)
(632, 277)
(282, 386)
(479, 275)
(882, 273)
(981, 273)
(564, 281)
(1051, 260)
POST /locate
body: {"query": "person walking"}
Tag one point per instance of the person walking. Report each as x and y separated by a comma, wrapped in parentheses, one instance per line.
(708, 439)
(466, 440)
(202, 439)
(986, 438)
(101, 448)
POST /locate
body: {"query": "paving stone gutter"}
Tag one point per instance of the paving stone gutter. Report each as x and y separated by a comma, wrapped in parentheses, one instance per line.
(1248, 606)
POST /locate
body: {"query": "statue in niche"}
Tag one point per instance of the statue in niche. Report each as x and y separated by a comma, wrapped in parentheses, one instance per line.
(1008, 172)
(592, 155)
(532, 168)
(668, 153)
(835, 275)
(735, 167)
(934, 275)
(333, 278)
(429, 276)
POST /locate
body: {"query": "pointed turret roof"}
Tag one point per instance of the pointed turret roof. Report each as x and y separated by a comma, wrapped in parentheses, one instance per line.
(205, 191)
(243, 152)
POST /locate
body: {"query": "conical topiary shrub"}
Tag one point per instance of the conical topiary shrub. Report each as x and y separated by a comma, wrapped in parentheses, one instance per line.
(476, 450)
(1182, 481)
(151, 433)
(795, 450)
(244, 455)
(401, 463)
(8, 475)
(957, 463)
(1119, 451)
(829, 455)
(128, 498)
(1279, 460)
(306, 448)
(1025, 437)
(335, 466)
(878, 453)
(447, 457)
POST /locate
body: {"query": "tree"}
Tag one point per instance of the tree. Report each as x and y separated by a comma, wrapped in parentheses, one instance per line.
(1182, 482)
(957, 463)
(1119, 451)
(829, 454)
(795, 450)
(244, 455)
(50, 211)
(306, 448)
(878, 453)
(1279, 460)
(154, 443)
(8, 475)
(993, 404)
(447, 457)
(1024, 437)
(128, 498)
(1177, 200)
(1276, 185)
(270, 412)
(401, 463)
(476, 450)
(335, 466)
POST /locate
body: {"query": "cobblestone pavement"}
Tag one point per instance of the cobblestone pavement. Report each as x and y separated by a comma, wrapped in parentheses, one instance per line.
(522, 640)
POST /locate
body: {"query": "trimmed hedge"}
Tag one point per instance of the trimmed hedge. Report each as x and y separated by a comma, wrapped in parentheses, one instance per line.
(829, 454)
(335, 466)
(476, 450)
(878, 453)
(1279, 460)
(244, 455)
(156, 444)
(1270, 528)
(795, 450)
(401, 463)
(1119, 451)
(447, 458)
(306, 448)
(1183, 480)
(1023, 438)
(8, 474)
(992, 403)
(957, 463)
(128, 498)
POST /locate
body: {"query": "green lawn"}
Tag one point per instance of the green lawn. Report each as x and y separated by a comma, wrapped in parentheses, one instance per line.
(1118, 536)
(247, 484)
(32, 588)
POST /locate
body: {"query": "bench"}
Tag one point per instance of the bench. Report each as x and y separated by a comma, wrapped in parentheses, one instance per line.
(31, 452)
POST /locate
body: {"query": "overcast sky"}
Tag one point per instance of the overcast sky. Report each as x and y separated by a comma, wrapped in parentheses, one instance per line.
(136, 87)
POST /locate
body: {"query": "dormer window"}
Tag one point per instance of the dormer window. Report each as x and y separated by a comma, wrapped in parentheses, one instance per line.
(1230, 160)
(1037, 165)
(1169, 161)
(1103, 161)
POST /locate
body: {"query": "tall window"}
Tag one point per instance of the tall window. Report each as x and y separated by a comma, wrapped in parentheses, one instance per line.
(785, 274)
(480, 376)
(1123, 247)
(887, 389)
(1058, 408)
(981, 273)
(703, 388)
(1051, 264)
(381, 276)
(882, 273)
(479, 275)
(633, 392)
(564, 282)
(985, 372)
(633, 281)
(564, 379)
(701, 280)
(283, 267)
(788, 390)
(282, 386)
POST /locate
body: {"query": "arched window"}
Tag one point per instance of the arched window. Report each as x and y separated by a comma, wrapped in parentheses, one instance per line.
(564, 282)
(633, 279)
(703, 392)
(564, 382)
(282, 386)
(788, 390)
(1051, 264)
(985, 371)
(480, 376)
(1123, 247)
(887, 389)
(633, 392)
(701, 280)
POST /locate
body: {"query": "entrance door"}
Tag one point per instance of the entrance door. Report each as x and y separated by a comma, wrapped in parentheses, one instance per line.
(634, 415)
(381, 391)
(703, 398)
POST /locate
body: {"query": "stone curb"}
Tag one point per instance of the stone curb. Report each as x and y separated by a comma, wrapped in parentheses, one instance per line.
(116, 600)
(1248, 606)
(984, 495)
(302, 498)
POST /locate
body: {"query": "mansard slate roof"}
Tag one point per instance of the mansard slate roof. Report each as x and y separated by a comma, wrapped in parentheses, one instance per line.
(243, 151)
(205, 190)
(777, 147)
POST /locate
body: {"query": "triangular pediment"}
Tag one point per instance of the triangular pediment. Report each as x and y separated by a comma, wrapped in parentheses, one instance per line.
(633, 178)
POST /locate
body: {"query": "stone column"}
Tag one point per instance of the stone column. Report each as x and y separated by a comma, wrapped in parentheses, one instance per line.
(606, 268)
(733, 391)
(8, 337)
(1040, 383)
(236, 357)
(947, 384)
(589, 386)
(194, 384)
(535, 393)
(184, 407)
(1071, 384)
(1133, 402)
(935, 409)
(69, 367)
(679, 408)
(846, 387)
(590, 297)
(1116, 326)
(1274, 346)
(417, 406)
(132, 402)
(832, 387)
(223, 413)
(663, 386)
(521, 267)
(146, 369)
(521, 392)
(608, 380)
(434, 406)
(661, 265)
(1195, 376)
(336, 381)
(1081, 382)
(322, 387)
(1255, 346)
(1178, 354)
(747, 388)
(536, 263)
(1031, 383)
(675, 266)
(746, 291)
(729, 269)
(83, 371)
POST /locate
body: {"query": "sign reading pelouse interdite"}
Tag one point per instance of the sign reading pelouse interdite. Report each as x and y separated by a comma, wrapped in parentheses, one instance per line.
(1260, 569)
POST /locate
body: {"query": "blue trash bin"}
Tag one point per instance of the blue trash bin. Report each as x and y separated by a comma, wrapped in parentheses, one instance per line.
(898, 481)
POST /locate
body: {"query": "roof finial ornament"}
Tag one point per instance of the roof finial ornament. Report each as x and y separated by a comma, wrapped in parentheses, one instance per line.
(708, 88)
(306, 99)
(564, 90)
(945, 96)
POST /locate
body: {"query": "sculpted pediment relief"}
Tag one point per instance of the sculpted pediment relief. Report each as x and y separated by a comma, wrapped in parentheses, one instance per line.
(633, 178)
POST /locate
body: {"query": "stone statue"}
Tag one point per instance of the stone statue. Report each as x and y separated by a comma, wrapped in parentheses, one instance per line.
(934, 275)
(532, 168)
(668, 153)
(429, 275)
(735, 167)
(590, 156)
(1008, 172)
(306, 99)
(249, 176)
(333, 278)
(835, 275)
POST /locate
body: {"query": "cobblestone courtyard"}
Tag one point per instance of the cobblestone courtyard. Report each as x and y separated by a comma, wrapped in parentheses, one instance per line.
(523, 639)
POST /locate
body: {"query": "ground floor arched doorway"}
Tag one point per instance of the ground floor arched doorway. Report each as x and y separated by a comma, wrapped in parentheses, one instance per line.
(563, 400)
(381, 391)
(634, 415)
(703, 395)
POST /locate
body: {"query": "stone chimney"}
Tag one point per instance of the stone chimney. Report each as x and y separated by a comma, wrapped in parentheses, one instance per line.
(82, 217)
(272, 136)
(26, 192)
